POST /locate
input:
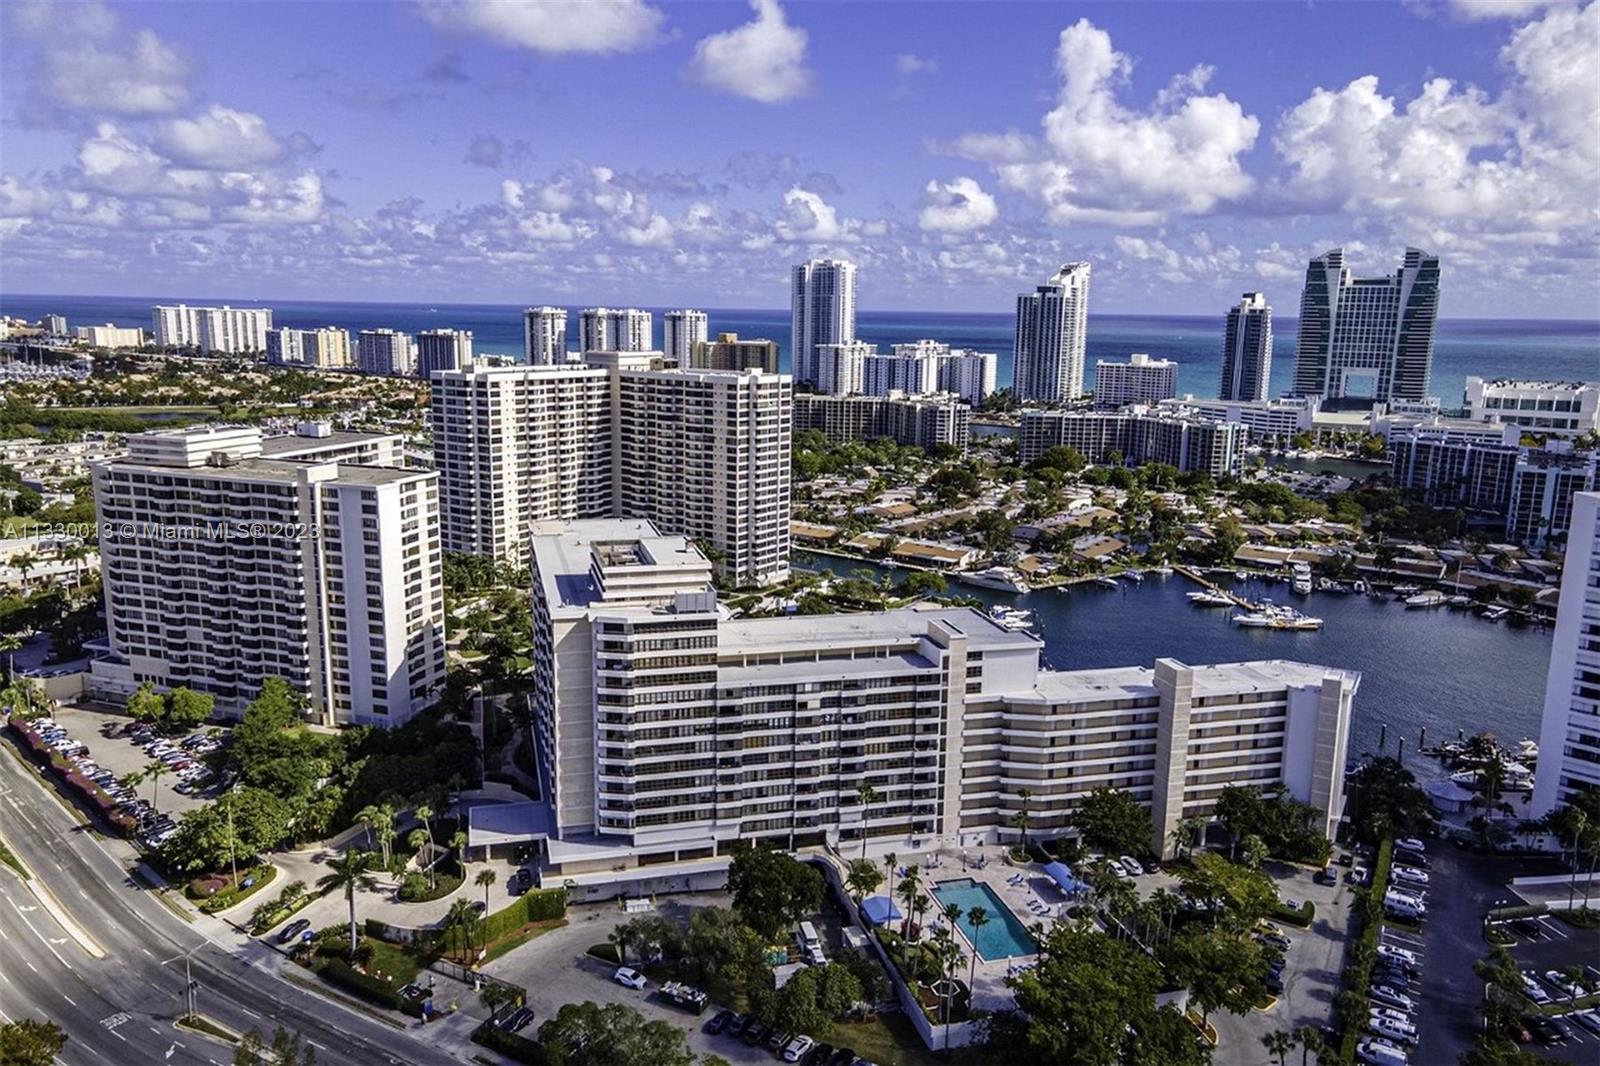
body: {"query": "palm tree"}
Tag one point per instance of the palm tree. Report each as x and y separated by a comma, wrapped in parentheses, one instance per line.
(622, 936)
(1311, 1043)
(889, 862)
(909, 886)
(368, 816)
(24, 561)
(346, 873)
(1023, 819)
(977, 917)
(458, 844)
(868, 795)
(415, 840)
(484, 879)
(383, 822)
(425, 815)
(1187, 833)
(153, 773)
(462, 916)
(1279, 1044)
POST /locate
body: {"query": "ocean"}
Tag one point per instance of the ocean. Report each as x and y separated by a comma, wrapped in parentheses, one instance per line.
(1524, 348)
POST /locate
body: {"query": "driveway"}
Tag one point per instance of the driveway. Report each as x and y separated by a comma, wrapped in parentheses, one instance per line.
(1311, 978)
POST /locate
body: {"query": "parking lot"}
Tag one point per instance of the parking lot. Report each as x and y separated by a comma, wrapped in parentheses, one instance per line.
(120, 755)
(1314, 968)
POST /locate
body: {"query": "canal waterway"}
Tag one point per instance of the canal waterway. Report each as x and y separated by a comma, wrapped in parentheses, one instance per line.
(1440, 669)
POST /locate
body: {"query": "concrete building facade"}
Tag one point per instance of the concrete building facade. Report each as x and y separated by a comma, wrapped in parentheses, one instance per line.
(1546, 408)
(1367, 340)
(1140, 380)
(1137, 434)
(544, 335)
(1247, 350)
(822, 310)
(1051, 334)
(607, 329)
(917, 421)
(1569, 737)
(681, 331)
(442, 349)
(729, 352)
(387, 352)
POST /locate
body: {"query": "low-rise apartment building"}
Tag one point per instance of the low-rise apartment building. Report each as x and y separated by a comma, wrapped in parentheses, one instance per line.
(1137, 435)
(1554, 408)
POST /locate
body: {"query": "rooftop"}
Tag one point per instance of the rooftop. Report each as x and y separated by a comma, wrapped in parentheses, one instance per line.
(291, 444)
(1131, 682)
(807, 632)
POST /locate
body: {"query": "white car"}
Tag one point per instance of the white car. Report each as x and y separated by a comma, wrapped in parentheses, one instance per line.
(1401, 1033)
(1533, 989)
(1380, 1052)
(1411, 875)
(797, 1048)
(1412, 844)
(1389, 951)
(631, 978)
(1130, 864)
(1558, 980)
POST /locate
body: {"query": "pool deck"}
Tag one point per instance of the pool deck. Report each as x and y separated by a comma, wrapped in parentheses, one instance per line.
(989, 989)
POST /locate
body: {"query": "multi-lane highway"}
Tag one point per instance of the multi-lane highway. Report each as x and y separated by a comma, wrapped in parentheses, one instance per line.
(121, 1009)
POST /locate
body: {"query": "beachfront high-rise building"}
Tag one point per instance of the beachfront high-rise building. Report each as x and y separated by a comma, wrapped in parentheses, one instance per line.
(705, 453)
(1367, 340)
(54, 325)
(108, 336)
(1247, 350)
(226, 564)
(605, 329)
(728, 352)
(544, 335)
(327, 348)
(1557, 408)
(822, 310)
(1140, 380)
(1051, 335)
(680, 332)
(671, 735)
(228, 330)
(442, 349)
(1569, 740)
(386, 351)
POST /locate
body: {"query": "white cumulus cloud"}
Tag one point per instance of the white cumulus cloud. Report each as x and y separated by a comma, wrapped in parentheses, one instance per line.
(958, 206)
(220, 139)
(762, 60)
(554, 27)
(1102, 162)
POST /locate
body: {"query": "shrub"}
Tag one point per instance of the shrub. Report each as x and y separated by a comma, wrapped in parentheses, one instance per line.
(1358, 969)
(366, 986)
(1302, 917)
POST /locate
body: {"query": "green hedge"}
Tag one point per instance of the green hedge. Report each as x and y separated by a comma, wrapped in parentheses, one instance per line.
(1369, 915)
(513, 1046)
(535, 906)
(1302, 917)
(284, 913)
(366, 986)
(231, 896)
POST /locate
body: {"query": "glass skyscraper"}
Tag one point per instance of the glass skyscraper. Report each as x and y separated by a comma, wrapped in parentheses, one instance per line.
(1367, 339)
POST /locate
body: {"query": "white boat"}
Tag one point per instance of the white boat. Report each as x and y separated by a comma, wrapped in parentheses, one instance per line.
(1425, 601)
(1162, 571)
(1209, 598)
(1527, 751)
(1518, 778)
(1001, 578)
(1407, 590)
(1458, 601)
(1108, 582)
(1494, 614)
(1327, 584)
(1271, 616)
(1136, 576)
(1300, 579)
(1013, 618)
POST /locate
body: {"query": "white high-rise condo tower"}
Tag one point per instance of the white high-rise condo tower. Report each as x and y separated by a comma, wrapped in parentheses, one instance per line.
(1052, 329)
(1247, 350)
(1569, 741)
(680, 332)
(1140, 380)
(1367, 339)
(386, 351)
(605, 329)
(544, 335)
(443, 349)
(822, 310)
(212, 329)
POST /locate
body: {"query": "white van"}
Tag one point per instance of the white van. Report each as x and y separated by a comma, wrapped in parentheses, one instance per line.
(1380, 1053)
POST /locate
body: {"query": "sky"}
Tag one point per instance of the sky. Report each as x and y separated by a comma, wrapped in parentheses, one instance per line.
(655, 152)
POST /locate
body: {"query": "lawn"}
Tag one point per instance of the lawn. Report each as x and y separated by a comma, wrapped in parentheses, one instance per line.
(888, 1040)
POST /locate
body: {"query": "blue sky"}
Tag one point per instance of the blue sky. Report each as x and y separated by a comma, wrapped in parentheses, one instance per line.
(656, 153)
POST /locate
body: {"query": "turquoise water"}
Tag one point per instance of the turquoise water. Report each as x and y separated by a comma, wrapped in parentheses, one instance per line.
(1003, 937)
(1563, 350)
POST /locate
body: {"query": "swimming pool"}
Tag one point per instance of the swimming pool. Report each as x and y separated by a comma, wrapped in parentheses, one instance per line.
(1003, 937)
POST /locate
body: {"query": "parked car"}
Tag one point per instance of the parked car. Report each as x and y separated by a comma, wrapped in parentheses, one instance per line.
(818, 1055)
(1378, 1051)
(720, 1021)
(518, 1020)
(1544, 1029)
(1412, 858)
(1391, 997)
(1392, 1027)
(797, 1048)
(1328, 875)
(1390, 951)
(1559, 981)
(293, 929)
(1277, 939)
(1412, 844)
(1589, 1019)
(755, 1033)
(1533, 989)
(1130, 864)
(630, 977)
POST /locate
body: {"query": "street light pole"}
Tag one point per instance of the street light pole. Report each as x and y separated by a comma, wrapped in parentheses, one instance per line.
(190, 985)
(233, 842)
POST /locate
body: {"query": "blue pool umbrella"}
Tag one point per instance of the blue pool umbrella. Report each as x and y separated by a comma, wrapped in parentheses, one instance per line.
(1061, 874)
(880, 910)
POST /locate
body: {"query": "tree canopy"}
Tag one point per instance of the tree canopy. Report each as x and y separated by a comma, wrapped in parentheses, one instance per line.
(772, 890)
(589, 1034)
(1384, 800)
(1114, 821)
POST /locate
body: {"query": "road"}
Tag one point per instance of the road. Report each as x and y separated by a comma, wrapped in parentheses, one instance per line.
(121, 1009)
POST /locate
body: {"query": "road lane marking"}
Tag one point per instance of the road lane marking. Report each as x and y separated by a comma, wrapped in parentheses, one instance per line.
(68, 998)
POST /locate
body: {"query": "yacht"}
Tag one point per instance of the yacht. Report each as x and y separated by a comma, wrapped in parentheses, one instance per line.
(1136, 576)
(1162, 571)
(1327, 584)
(1518, 778)
(1000, 578)
(1013, 618)
(1270, 616)
(1210, 598)
(1425, 601)
(1527, 751)
(1494, 614)
(1108, 582)
(1407, 590)
(1300, 579)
